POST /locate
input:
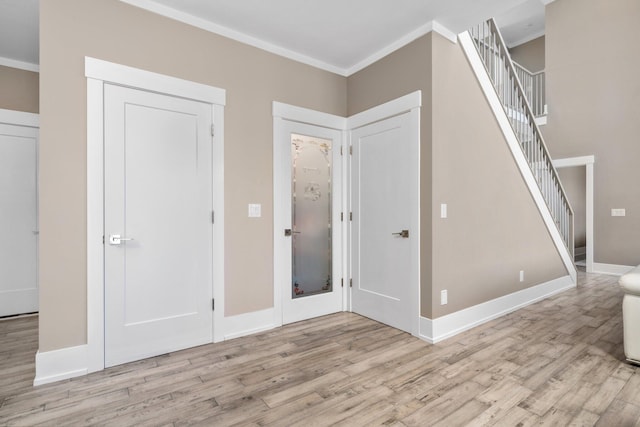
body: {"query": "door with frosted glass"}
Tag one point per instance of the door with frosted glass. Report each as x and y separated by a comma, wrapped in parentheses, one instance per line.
(310, 232)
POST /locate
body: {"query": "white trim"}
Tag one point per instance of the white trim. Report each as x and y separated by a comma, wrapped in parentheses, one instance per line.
(444, 327)
(588, 162)
(203, 24)
(241, 37)
(19, 118)
(304, 115)
(392, 108)
(20, 65)
(573, 161)
(97, 71)
(613, 269)
(153, 82)
(546, 2)
(60, 364)
(512, 141)
(249, 323)
(541, 120)
(401, 42)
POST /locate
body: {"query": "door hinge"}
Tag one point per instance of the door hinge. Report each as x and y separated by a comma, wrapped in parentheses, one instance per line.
(342, 283)
(213, 130)
(213, 304)
(351, 283)
(351, 149)
(341, 216)
(341, 150)
(350, 216)
(103, 239)
(213, 217)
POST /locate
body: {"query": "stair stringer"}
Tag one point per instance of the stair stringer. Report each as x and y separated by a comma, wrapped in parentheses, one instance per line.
(514, 145)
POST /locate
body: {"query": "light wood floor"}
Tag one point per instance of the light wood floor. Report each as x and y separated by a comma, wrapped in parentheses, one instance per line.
(557, 362)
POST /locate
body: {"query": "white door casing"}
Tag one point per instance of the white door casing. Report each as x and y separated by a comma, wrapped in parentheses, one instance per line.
(18, 213)
(305, 307)
(158, 178)
(385, 230)
(98, 74)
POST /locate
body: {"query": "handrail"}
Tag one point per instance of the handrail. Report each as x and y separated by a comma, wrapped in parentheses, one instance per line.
(502, 72)
(534, 86)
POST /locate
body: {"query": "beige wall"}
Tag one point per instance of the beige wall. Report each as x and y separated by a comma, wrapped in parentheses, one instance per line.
(404, 71)
(19, 90)
(593, 94)
(113, 31)
(493, 229)
(530, 54)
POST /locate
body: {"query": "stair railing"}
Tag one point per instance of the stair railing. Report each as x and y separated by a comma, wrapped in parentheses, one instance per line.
(496, 59)
(533, 85)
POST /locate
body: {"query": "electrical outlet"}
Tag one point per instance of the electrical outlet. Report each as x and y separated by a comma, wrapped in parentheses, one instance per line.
(443, 210)
(443, 297)
(255, 210)
(522, 275)
(618, 212)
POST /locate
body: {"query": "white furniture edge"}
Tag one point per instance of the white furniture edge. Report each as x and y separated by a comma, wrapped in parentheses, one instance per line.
(98, 73)
(613, 269)
(441, 328)
(588, 162)
(60, 364)
(512, 141)
(19, 118)
(20, 65)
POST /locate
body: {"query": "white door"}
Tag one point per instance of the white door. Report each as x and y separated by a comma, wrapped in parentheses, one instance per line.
(308, 227)
(158, 224)
(18, 220)
(385, 234)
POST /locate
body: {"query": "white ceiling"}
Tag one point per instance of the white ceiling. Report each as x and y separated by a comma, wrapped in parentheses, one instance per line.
(336, 35)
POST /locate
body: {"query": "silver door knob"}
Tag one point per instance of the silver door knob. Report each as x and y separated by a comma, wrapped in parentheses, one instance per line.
(116, 239)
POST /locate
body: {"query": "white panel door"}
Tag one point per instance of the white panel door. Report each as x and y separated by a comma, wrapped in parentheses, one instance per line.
(18, 220)
(158, 224)
(384, 201)
(308, 229)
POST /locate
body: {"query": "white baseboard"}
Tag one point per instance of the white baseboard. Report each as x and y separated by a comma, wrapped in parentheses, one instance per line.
(60, 364)
(613, 269)
(452, 324)
(248, 323)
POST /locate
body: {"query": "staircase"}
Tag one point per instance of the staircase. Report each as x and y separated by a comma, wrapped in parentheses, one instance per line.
(533, 85)
(484, 44)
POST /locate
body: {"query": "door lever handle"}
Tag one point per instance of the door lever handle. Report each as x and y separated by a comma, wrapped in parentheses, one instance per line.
(116, 239)
(289, 232)
(404, 234)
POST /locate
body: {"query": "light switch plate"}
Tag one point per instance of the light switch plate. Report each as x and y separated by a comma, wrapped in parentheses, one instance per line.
(443, 210)
(618, 212)
(444, 297)
(255, 210)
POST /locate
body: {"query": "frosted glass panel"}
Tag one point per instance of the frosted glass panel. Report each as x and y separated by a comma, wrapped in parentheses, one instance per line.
(311, 215)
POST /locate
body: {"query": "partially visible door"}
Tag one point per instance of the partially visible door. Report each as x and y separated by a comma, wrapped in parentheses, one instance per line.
(308, 227)
(158, 224)
(18, 220)
(385, 226)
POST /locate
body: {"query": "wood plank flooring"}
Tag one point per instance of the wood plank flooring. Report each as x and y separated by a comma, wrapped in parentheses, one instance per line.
(557, 362)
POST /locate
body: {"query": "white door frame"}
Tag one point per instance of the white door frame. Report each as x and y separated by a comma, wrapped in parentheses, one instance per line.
(29, 120)
(98, 73)
(407, 103)
(289, 113)
(588, 162)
